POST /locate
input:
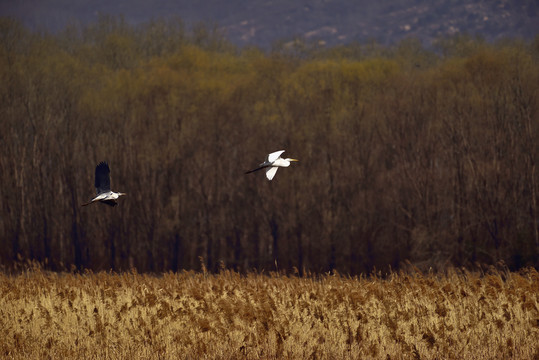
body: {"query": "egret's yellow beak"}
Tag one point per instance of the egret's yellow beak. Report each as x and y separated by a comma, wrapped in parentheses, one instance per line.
(293, 159)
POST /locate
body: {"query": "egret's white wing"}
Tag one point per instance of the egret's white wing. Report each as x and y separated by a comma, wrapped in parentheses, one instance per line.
(270, 173)
(274, 156)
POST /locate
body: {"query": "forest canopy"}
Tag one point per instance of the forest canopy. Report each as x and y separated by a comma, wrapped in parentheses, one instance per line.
(406, 153)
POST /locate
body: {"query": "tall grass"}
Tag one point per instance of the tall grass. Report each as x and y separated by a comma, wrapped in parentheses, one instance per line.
(188, 315)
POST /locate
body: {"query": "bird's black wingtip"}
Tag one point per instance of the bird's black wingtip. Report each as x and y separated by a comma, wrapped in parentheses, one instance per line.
(103, 166)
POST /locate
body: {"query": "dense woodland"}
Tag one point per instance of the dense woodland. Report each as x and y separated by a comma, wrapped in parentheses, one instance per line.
(406, 153)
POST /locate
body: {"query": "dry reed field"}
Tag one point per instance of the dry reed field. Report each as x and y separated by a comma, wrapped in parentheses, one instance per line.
(188, 315)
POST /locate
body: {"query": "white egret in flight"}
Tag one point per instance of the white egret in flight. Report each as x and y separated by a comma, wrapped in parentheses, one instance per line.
(102, 186)
(273, 162)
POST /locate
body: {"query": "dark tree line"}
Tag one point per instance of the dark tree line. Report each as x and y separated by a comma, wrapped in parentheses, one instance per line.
(404, 154)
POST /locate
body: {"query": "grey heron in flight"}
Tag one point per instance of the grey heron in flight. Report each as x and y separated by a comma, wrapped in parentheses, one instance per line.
(102, 186)
(273, 162)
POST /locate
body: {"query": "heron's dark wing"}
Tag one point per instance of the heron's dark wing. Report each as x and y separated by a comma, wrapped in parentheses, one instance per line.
(102, 178)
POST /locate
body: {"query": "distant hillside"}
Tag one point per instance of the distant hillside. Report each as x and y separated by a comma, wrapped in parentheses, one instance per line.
(329, 22)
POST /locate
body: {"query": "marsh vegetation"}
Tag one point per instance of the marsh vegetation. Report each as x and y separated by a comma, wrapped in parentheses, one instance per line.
(457, 315)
